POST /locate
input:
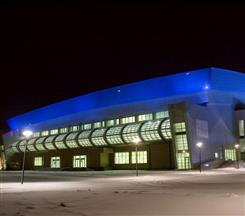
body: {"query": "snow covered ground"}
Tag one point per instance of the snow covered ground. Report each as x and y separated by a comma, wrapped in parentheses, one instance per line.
(109, 193)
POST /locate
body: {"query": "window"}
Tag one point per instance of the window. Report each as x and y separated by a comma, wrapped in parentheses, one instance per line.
(44, 133)
(113, 135)
(121, 158)
(216, 155)
(181, 142)
(87, 126)
(36, 134)
(110, 123)
(161, 115)
(30, 144)
(183, 160)
(230, 154)
(83, 138)
(128, 120)
(49, 142)
(71, 140)
(149, 131)
(80, 161)
(54, 131)
(38, 161)
(165, 129)
(74, 128)
(39, 144)
(59, 141)
(241, 127)
(130, 132)
(63, 130)
(55, 162)
(145, 117)
(141, 157)
(179, 127)
(97, 137)
(97, 125)
(117, 121)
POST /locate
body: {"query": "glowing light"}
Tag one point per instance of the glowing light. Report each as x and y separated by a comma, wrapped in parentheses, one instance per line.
(237, 146)
(136, 141)
(27, 133)
(206, 87)
(199, 144)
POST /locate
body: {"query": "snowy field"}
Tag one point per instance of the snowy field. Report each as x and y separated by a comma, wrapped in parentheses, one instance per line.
(110, 193)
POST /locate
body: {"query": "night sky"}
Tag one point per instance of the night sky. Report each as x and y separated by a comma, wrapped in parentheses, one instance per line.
(53, 52)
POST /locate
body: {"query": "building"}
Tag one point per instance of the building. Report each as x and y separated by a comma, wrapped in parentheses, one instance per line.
(168, 115)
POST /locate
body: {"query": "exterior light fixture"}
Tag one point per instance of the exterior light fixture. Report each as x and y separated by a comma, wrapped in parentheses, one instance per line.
(199, 146)
(136, 141)
(237, 146)
(206, 87)
(26, 134)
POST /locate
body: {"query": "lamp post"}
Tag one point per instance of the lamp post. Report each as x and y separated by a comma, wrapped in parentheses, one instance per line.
(26, 134)
(199, 146)
(237, 146)
(136, 142)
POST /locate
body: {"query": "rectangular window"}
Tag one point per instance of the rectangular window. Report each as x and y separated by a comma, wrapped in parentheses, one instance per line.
(141, 157)
(121, 157)
(36, 134)
(117, 121)
(179, 127)
(38, 161)
(161, 115)
(110, 123)
(55, 162)
(54, 131)
(128, 120)
(183, 160)
(80, 161)
(74, 128)
(241, 127)
(145, 117)
(45, 133)
(216, 155)
(63, 130)
(87, 126)
(181, 142)
(97, 125)
(230, 154)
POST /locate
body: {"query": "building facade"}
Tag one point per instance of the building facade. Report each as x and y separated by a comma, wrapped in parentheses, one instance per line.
(165, 116)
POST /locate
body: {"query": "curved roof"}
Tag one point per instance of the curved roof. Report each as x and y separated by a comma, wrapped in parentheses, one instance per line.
(122, 100)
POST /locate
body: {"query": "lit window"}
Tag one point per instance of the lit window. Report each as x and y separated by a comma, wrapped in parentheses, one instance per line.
(183, 160)
(63, 130)
(97, 124)
(74, 128)
(87, 126)
(145, 117)
(131, 132)
(80, 161)
(54, 131)
(216, 155)
(55, 162)
(181, 142)
(121, 158)
(44, 133)
(241, 127)
(110, 123)
(141, 157)
(149, 131)
(162, 114)
(230, 154)
(38, 161)
(128, 120)
(113, 135)
(36, 134)
(179, 127)
(117, 121)
(71, 140)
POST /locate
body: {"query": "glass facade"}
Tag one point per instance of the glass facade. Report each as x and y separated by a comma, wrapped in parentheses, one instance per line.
(241, 127)
(181, 142)
(55, 162)
(45, 133)
(64, 130)
(30, 145)
(36, 134)
(87, 126)
(145, 117)
(97, 137)
(39, 144)
(230, 154)
(161, 115)
(97, 124)
(113, 135)
(183, 160)
(141, 157)
(179, 127)
(54, 131)
(121, 158)
(129, 119)
(49, 142)
(59, 141)
(166, 130)
(38, 161)
(131, 132)
(14, 146)
(22, 145)
(110, 123)
(80, 161)
(71, 141)
(149, 131)
(83, 138)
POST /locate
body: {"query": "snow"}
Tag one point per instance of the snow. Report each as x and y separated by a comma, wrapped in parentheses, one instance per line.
(110, 193)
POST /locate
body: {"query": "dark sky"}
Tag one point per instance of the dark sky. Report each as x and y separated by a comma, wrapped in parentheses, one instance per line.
(53, 52)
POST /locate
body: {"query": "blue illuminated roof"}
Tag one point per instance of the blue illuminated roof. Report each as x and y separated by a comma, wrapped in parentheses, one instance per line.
(133, 97)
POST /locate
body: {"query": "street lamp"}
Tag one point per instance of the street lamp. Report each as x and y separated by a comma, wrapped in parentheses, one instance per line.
(26, 134)
(237, 146)
(136, 141)
(199, 146)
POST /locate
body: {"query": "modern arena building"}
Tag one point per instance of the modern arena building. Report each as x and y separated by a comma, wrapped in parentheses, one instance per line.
(167, 116)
